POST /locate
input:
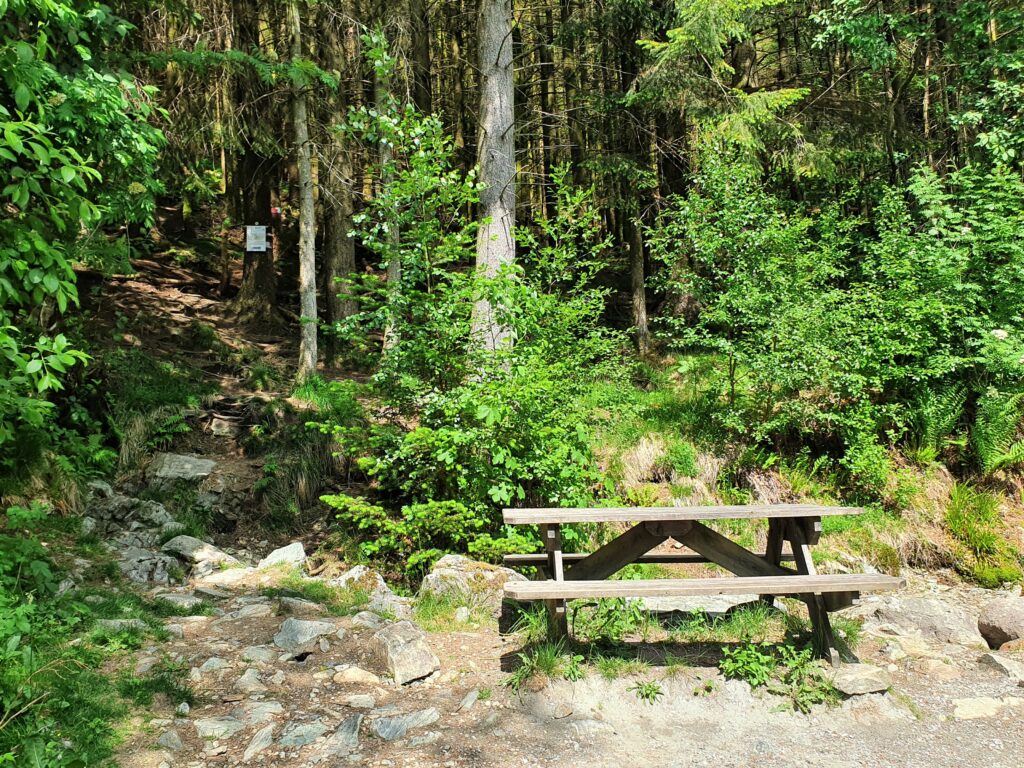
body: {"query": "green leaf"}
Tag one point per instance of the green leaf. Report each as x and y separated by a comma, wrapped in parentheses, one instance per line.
(22, 96)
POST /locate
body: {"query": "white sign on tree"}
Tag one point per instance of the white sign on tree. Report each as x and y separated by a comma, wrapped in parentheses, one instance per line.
(256, 238)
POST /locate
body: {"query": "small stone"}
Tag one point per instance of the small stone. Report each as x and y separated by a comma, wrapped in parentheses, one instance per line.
(182, 709)
(196, 551)
(145, 665)
(186, 601)
(860, 679)
(346, 738)
(262, 739)
(468, 701)
(259, 653)
(403, 649)
(938, 670)
(122, 625)
(298, 635)
(299, 607)
(1012, 668)
(361, 701)
(976, 708)
(357, 676)
(250, 682)
(171, 740)
(325, 646)
(257, 712)
(292, 555)
(394, 728)
(368, 620)
(301, 735)
(462, 614)
(214, 664)
(425, 740)
(218, 727)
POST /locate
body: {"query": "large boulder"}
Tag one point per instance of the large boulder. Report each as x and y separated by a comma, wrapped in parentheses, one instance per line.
(112, 513)
(403, 649)
(926, 617)
(1002, 621)
(462, 579)
(197, 551)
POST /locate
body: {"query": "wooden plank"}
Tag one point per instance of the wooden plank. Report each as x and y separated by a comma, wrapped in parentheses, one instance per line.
(616, 554)
(540, 559)
(728, 554)
(669, 514)
(773, 549)
(757, 585)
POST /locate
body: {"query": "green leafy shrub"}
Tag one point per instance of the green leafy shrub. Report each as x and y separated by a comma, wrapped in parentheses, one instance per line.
(682, 458)
(983, 554)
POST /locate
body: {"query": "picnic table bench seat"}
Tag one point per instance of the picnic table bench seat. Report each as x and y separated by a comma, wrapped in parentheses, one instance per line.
(576, 576)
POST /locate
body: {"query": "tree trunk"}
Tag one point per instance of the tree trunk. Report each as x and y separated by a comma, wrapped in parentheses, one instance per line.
(420, 45)
(382, 97)
(495, 247)
(638, 289)
(307, 212)
(339, 247)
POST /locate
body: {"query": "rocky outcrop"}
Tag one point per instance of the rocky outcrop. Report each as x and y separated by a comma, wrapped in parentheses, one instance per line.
(925, 617)
(298, 635)
(459, 578)
(170, 470)
(403, 650)
(196, 551)
(1002, 621)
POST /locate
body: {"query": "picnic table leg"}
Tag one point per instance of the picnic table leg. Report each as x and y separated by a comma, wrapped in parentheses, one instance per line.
(773, 550)
(822, 636)
(557, 620)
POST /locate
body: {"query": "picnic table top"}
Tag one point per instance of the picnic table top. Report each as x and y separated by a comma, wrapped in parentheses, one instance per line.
(548, 515)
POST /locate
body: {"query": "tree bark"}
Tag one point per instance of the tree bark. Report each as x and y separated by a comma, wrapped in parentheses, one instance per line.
(307, 212)
(495, 247)
(420, 49)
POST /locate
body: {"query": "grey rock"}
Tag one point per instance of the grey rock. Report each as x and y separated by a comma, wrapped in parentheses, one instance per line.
(259, 653)
(145, 665)
(403, 650)
(294, 555)
(296, 635)
(368, 620)
(1012, 668)
(468, 700)
(299, 735)
(262, 739)
(357, 676)
(253, 611)
(459, 578)
(257, 712)
(394, 728)
(860, 679)
(182, 709)
(116, 513)
(143, 566)
(122, 625)
(250, 682)
(218, 727)
(171, 740)
(172, 468)
(462, 614)
(195, 551)
(930, 618)
(87, 526)
(346, 738)
(299, 607)
(1002, 621)
(99, 489)
(382, 599)
(425, 740)
(185, 601)
(361, 701)
(214, 664)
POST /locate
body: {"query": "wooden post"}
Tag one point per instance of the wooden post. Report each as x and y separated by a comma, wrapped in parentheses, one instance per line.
(773, 549)
(557, 620)
(823, 638)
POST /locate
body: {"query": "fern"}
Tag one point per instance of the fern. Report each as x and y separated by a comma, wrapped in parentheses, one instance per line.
(935, 415)
(995, 429)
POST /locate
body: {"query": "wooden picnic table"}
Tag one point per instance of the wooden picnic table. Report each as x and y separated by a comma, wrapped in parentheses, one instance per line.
(762, 573)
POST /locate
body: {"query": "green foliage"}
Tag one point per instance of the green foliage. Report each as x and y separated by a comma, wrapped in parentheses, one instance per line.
(985, 554)
(648, 691)
(781, 670)
(339, 601)
(548, 660)
(753, 663)
(849, 340)
(63, 102)
(682, 458)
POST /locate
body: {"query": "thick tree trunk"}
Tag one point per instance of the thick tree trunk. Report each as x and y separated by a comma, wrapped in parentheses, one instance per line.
(307, 212)
(638, 288)
(495, 247)
(420, 45)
